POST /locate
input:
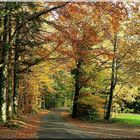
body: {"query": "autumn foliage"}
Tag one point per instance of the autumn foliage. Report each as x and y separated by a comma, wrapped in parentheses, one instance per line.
(91, 107)
(52, 53)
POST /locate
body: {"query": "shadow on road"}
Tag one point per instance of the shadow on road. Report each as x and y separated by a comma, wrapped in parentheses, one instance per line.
(54, 126)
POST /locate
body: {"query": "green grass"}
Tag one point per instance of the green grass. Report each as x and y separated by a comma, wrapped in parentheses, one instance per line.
(126, 118)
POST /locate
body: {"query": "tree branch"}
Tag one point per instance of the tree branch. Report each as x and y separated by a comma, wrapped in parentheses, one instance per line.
(34, 16)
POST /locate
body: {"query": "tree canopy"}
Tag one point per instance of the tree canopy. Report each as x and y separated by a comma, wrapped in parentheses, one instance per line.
(81, 55)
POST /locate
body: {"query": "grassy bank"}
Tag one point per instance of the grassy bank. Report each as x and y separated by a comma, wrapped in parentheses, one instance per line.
(126, 118)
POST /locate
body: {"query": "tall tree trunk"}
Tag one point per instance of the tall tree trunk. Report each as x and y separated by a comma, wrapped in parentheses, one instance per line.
(107, 117)
(3, 73)
(16, 70)
(113, 81)
(10, 75)
(77, 89)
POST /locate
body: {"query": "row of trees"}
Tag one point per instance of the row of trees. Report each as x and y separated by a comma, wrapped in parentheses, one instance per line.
(100, 44)
(84, 54)
(20, 26)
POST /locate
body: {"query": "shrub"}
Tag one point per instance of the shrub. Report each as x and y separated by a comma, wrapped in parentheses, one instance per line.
(90, 107)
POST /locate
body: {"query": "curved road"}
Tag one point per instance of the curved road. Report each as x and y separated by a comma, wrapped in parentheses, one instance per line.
(54, 126)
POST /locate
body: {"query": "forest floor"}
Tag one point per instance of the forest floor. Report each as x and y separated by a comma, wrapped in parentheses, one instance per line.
(25, 126)
(59, 124)
(105, 129)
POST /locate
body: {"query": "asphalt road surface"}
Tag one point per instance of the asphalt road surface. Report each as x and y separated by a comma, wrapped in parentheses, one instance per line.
(54, 126)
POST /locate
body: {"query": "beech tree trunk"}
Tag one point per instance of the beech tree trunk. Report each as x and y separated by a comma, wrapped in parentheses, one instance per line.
(10, 74)
(107, 117)
(77, 89)
(3, 73)
(16, 70)
(113, 81)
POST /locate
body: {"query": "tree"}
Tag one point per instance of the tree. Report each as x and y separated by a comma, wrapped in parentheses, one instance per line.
(3, 73)
(13, 31)
(83, 37)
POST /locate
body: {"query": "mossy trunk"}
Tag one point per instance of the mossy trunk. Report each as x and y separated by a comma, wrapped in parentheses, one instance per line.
(3, 71)
(16, 70)
(10, 74)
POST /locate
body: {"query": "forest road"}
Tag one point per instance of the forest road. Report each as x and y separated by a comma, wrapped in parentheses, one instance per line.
(54, 126)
